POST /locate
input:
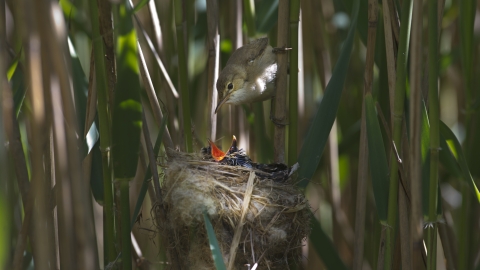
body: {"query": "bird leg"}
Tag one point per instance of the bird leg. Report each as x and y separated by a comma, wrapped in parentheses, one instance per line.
(274, 120)
(281, 50)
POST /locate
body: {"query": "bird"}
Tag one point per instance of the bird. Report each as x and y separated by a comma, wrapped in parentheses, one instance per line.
(218, 154)
(249, 74)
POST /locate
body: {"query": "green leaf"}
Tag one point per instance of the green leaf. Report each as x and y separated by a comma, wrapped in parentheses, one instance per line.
(317, 136)
(127, 113)
(456, 148)
(80, 90)
(214, 246)
(148, 174)
(448, 159)
(324, 247)
(75, 16)
(140, 5)
(377, 159)
(16, 77)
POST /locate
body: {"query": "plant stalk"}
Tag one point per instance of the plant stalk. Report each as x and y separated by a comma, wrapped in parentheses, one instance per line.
(105, 136)
(434, 118)
(293, 91)
(213, 67)
(398, 110)
(415, 166)
(183, 72)
(363, 151)
(280, 114)
(126, 239)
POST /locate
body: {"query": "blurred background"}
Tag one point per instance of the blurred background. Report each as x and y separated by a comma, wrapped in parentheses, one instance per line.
(61, 62)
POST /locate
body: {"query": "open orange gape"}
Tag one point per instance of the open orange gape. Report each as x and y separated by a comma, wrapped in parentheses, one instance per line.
(238, 157)
(258, 214)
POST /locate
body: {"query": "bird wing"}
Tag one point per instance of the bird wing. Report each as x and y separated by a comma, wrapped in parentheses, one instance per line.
(249, 52)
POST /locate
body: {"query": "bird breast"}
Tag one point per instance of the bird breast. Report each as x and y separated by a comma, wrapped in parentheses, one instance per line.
(256, 89)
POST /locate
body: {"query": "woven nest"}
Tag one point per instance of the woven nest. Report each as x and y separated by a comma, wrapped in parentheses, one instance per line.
(258, 217)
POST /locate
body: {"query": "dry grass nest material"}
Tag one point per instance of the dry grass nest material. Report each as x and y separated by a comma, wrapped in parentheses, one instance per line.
(258, 221)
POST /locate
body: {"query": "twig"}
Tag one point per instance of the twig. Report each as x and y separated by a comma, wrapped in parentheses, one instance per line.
(152, 97)
(160, 219)
(239, 228)
(157, 57)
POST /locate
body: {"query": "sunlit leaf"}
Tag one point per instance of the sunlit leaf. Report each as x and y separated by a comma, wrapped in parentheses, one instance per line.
(127, 113)
(19, 89)
(447, 133)
(80, 87)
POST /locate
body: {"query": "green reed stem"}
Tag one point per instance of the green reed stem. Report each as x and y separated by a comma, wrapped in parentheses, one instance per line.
(105, 136)
(183, 73)
(398, 110)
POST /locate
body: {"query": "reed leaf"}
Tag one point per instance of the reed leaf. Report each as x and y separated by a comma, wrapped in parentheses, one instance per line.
(80, 91)
(456, 150)
(19, 89)
(317, 135)
(127, 120)
(127, 114)
(324, 247)
(377, 159)
(214, 246)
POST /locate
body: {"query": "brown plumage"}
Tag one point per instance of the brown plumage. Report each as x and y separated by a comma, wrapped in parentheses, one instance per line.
(249, 74)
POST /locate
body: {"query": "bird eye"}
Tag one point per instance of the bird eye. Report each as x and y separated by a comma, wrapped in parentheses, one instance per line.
(230, 86)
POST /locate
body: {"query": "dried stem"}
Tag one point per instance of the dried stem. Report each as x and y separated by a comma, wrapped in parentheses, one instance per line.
(213, 67)
(152, 97)
(363, 155)
(281, 82)
(239, 228)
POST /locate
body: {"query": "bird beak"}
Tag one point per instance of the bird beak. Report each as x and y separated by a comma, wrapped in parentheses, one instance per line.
(222, 101)
(216, 153)
(220, 104)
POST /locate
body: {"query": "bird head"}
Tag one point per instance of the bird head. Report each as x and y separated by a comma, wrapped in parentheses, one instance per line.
(231, 79)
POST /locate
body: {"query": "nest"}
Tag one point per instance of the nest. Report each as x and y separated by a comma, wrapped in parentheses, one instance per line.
(257, 216)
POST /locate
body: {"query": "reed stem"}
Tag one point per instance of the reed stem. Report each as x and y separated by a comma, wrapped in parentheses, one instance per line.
(434, 120)
(183, 72)
(105, 136)
(398, 110)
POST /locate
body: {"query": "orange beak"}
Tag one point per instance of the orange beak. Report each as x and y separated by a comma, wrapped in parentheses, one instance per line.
(216, 153)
